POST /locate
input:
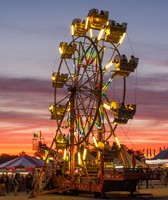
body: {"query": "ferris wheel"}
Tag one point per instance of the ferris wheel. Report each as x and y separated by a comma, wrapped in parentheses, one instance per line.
(90, 83)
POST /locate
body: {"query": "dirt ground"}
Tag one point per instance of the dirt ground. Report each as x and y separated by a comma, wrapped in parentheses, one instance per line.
(159, 193)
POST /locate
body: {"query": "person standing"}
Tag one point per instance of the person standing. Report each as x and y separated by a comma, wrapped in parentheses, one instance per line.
(11, 183)
(7, 183)
(2, 185)
(29, 182)
(16, 184)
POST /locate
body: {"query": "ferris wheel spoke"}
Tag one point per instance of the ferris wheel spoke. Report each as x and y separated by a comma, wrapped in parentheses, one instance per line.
(62, 100)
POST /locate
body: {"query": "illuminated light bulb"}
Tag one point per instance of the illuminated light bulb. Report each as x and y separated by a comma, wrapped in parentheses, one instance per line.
(84, 154)
(95, 141)
(53, 78)
(79, 158)
(60, 50)
(87, 21)
(114, 105)
(107, 84)
(107, 23)
(122, 38)
(72, 30)
(64, 155)
(100, 34)
(117, 141)
(106, 106)
(91, 33)
(51, 108)
(108, 65)
(46, 156)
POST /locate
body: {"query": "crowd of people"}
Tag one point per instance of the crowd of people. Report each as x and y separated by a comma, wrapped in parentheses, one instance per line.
(14, 183)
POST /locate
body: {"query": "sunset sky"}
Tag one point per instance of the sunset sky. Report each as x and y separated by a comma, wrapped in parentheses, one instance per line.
(30, 33)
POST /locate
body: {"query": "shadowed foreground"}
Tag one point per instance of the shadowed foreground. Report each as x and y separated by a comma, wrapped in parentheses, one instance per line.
(159, 193)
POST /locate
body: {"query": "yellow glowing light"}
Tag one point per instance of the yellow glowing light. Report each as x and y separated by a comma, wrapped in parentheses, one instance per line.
(108, 65)
(106, 106)
(122, 38)
(100, 34)
(64, 155)
(79, 159)
(101, 145)
(51, 108)
(87, 21)
(117, 142)
(114, 105)
(95, 141)
(53, 78)
(72, 30)
(60, 50)
(46, 156)
(91, 33)
(84, 154)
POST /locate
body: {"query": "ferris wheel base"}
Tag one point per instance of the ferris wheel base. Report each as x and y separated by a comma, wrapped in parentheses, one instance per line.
(125, 182)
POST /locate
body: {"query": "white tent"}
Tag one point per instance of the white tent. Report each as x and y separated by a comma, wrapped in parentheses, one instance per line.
(157, 162)
(160, 158)
(23, 161)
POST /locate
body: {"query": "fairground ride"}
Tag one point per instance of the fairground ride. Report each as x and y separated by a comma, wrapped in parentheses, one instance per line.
(90, 102)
